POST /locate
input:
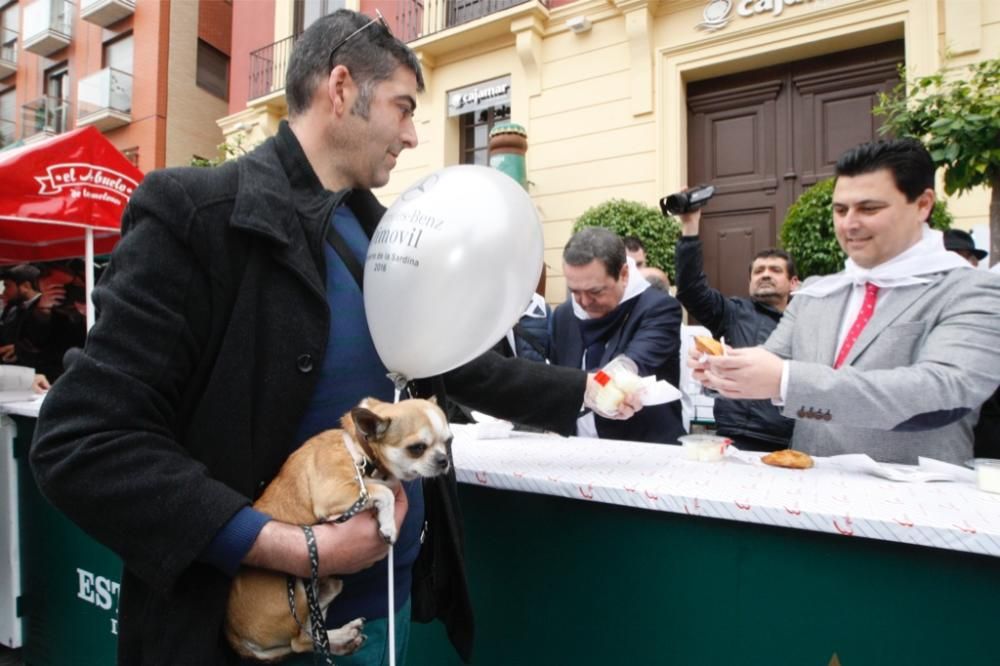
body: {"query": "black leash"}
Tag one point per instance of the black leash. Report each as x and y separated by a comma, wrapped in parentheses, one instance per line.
(317, 624)
(339, 245)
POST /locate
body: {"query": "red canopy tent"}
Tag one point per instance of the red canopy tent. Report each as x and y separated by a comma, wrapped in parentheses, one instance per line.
(63, 197)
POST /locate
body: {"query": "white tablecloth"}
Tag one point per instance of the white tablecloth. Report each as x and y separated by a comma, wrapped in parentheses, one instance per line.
(951, 515)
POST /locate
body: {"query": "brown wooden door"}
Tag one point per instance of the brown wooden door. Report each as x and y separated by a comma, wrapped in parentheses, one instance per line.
(763, 137)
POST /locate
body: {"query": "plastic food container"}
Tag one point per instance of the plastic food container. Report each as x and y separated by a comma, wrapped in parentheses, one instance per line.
(988, 474)
(706, 448)
(617, 378)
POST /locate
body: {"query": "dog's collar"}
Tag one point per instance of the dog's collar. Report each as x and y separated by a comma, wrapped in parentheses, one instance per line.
(367, 467)
(371, 461)
(363, 467)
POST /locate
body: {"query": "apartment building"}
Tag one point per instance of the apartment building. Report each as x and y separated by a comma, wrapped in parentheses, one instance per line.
(151, 75)
(636, 98)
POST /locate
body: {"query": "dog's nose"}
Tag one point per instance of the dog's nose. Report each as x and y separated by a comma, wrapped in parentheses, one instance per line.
(441, 461)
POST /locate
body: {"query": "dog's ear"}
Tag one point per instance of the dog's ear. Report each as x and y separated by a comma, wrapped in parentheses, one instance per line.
(433, 400)
(371, 425)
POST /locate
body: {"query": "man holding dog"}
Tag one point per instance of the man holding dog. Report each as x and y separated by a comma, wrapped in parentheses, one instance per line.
(754, 425)
(894, 355)
(231, 329)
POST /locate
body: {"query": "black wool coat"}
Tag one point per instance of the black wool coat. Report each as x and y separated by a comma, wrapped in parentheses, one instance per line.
(213, 324)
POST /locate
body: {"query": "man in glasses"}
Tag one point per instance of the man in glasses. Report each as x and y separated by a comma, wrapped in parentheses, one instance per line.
(232, 329)
(611, 311)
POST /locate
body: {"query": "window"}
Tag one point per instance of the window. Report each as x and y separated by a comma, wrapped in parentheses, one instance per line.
(57, 81)
(213, 70)
(474, 129)
(8, 107)
(118, 53)
(9, 19)
(307, 11)
(53, 115)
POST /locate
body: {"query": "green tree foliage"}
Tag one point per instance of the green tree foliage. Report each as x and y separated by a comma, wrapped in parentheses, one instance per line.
(957, 116)
(630, 218)
(808, 230)
(231, 149)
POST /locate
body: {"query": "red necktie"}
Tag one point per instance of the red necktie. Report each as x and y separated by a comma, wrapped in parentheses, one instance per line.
(867, 308)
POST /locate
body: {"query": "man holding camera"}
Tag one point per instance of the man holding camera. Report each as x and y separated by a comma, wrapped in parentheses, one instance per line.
(755, 425)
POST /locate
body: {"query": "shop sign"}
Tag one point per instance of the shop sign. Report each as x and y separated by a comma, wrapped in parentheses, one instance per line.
(480, 96)
(101, 592)
(717, 12)
(88, 181)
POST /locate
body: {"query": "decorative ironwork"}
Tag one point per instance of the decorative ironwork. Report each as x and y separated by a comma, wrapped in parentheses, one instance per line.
(409, 19)
(267, 67)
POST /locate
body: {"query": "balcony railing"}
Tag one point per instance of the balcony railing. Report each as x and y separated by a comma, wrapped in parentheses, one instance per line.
(267, 68)
(45, 116)
(420, 18)
(106, 12)
(8, 52)
(104, 99)
(7, 136)
(47, 26)
(413, 19)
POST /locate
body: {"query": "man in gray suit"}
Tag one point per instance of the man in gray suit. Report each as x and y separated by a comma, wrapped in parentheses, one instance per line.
(894, 355)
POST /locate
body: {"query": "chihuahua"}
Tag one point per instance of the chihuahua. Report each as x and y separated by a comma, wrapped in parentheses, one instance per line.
(379, 444)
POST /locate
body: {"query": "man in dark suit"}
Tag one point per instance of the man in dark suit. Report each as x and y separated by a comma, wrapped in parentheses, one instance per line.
(612, 311)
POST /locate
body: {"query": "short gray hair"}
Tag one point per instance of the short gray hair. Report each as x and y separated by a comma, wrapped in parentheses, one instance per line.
(592, 243)
(371, 56)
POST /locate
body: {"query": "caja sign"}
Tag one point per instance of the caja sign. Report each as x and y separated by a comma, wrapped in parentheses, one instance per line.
(717, 13)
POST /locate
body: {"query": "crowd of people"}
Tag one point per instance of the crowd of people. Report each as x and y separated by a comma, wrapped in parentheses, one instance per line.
(43, 316)
(175, 408)
(891, 357)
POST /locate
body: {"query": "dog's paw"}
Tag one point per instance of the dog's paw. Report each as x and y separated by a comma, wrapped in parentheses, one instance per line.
(388, 533)
(348, 639)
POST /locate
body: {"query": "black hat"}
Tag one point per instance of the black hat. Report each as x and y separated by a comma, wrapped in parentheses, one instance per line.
(957, 240)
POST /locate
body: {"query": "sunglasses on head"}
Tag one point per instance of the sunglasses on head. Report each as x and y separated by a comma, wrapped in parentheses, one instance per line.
(378, 19)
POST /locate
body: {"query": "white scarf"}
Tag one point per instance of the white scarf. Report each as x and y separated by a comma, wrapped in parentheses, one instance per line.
(926, 257)
(636, 285)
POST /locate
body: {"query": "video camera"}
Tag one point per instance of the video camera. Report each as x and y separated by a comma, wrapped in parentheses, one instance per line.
(687, 200)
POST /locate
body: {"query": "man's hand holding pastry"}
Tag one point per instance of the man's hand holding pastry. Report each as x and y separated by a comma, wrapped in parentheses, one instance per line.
(750, 373)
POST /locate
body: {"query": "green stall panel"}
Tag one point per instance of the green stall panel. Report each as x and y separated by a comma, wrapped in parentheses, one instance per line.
(69, 583)
(557, 581)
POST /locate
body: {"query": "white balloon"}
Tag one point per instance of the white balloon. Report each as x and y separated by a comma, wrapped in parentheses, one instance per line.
(450, 268)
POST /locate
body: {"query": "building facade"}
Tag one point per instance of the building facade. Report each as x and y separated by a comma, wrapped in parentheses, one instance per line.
(636, 98)
(151, 75)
